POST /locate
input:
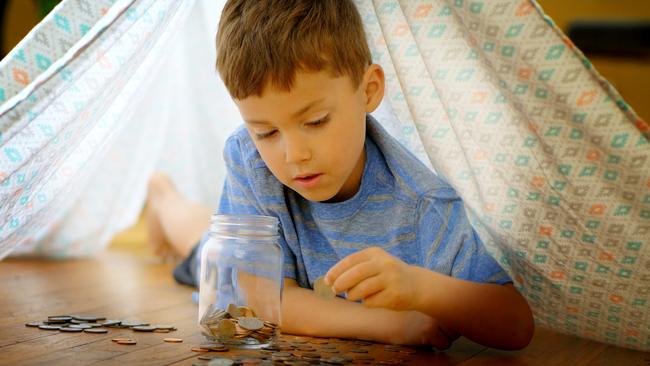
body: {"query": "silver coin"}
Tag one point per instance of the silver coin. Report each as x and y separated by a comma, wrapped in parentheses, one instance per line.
(250, 323)
(221, 362)
(96, 330)
(71, 330)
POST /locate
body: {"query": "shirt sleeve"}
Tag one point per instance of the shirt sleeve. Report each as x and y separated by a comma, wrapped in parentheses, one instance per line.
(450, 245)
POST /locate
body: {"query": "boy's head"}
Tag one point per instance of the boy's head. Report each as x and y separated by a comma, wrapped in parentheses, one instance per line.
(300, 73)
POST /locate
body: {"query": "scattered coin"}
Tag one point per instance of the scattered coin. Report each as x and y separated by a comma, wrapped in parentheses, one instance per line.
(199, 349)
(206, 357)
(59, 319)
(164, 326)
(143, 328)
(120, 339)
(111, 323)
(34, 324)
(88, 318)
(71, 330)
(173, 340)
(322, 290)
(81, 326)
(49, 327)
(128, 342)
(221, 362)
(96, 330)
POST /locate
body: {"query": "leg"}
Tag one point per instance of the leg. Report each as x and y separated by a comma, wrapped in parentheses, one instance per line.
(174, 224)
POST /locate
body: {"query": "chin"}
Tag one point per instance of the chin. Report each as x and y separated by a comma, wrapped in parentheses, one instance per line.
(316, 196)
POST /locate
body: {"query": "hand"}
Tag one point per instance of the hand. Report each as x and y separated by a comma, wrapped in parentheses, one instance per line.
(375, 277)
(416, 329)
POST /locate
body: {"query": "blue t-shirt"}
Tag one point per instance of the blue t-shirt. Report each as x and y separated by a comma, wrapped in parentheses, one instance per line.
(401, 206)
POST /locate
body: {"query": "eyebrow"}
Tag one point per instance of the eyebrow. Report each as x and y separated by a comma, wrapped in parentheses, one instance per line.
(294, 114)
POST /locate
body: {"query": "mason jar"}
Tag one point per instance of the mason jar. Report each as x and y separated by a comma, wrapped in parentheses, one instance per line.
(241, 281)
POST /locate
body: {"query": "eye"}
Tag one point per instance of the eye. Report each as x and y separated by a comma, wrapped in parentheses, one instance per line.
(261, 136)
(319, 122)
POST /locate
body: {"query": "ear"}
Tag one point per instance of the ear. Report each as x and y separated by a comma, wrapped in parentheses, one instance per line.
(373, 82)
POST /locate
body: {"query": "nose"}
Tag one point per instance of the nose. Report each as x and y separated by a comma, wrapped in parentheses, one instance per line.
(296, 149)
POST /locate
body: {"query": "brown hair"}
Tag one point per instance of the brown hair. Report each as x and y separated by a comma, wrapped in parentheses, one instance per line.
(267, 41)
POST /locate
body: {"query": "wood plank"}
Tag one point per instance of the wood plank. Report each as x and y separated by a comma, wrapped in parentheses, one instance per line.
(130, 287)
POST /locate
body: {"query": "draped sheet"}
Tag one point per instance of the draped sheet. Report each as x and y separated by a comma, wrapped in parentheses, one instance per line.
(553, 165)
(551, 162)
(82, 176)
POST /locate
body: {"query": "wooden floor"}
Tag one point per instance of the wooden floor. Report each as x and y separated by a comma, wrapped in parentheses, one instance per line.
(131, 287)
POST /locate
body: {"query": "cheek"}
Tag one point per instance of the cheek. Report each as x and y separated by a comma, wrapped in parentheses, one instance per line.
(273, 156)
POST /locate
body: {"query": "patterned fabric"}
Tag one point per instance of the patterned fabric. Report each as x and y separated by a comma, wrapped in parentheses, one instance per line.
(56, 131)
(48, 42)
(554, 167)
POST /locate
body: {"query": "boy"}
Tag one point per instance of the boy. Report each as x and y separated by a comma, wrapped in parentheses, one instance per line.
(353, 204)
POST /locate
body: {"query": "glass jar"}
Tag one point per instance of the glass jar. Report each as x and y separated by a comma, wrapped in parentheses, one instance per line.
(241, 281)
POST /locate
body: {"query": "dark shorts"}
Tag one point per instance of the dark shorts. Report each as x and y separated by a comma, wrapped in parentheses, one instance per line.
(185, 272)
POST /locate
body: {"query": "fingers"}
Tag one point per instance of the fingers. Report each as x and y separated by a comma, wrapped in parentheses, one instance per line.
(355, 275)
(348, 262)
(366, 288)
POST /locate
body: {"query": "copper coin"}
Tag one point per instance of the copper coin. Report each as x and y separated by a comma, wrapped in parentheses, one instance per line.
(199, 349)
(127, 342)
(162, 331)
(173, 340)
(120, 339)
(233, 311)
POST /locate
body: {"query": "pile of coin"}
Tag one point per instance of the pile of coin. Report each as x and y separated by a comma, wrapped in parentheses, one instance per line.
(237, 325)
(315, 351)
(95, 324)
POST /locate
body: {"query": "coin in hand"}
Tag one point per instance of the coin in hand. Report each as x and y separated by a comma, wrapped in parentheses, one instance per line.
(322, 290)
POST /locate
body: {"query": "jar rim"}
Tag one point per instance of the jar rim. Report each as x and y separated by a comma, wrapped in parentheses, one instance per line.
(247, 219)
(244, 225)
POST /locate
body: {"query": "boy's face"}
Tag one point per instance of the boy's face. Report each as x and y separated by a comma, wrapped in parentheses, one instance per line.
(312, 137)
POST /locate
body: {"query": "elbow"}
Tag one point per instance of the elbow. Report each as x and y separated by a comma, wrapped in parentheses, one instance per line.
(524, 331)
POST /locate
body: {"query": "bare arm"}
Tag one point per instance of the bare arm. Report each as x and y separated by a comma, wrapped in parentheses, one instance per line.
(305, 313)
(493, 315)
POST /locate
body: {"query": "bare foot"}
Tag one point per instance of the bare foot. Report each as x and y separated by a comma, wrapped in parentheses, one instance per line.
(160, 187)
(175, 224)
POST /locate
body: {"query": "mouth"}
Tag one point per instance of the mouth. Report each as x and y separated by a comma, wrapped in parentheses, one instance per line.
(307, 180)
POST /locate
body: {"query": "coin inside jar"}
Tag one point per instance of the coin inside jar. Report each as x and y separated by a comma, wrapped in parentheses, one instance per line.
(250, 323)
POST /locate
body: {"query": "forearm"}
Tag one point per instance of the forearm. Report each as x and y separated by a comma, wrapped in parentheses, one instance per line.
(493, 315)
(305, 313)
